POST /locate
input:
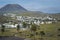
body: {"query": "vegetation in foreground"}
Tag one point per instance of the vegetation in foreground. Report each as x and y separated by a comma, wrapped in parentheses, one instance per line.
(42, 32)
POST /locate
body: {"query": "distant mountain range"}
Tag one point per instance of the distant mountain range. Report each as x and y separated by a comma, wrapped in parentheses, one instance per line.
(17, 9)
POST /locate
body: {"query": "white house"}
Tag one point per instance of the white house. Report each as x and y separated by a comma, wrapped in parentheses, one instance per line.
(37, 22)
(42, 22)
(10, 25)
(49, 22)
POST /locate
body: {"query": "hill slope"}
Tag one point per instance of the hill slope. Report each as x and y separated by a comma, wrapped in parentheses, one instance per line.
(10, 8)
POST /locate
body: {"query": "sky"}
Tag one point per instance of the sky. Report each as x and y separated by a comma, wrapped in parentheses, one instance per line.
(47, 6)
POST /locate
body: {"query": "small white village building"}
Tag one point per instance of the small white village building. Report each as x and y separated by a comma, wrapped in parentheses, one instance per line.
(42, 22)
(7, 25)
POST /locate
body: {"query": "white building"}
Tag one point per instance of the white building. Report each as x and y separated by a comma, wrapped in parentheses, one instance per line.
(10, 25)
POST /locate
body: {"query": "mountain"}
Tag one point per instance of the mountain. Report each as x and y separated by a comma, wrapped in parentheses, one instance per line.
(19, 10)
(12, 8)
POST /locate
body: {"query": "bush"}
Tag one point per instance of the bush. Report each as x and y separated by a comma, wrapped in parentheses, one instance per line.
(42, 33)
(2, 28)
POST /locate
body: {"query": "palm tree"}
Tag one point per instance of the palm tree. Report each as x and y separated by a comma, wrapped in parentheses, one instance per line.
(25, 25)
(33, 29)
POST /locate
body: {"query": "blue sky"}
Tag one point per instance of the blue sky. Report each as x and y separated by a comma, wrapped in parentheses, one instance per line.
(47, 6)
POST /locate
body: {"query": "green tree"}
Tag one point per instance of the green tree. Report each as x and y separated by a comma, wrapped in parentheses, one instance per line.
(33, 29)
(42, 33)
(59, 29)
(18, 27)
(2, 28)
(24, 24)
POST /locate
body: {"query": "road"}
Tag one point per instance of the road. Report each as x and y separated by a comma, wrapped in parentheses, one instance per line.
(10, 38)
